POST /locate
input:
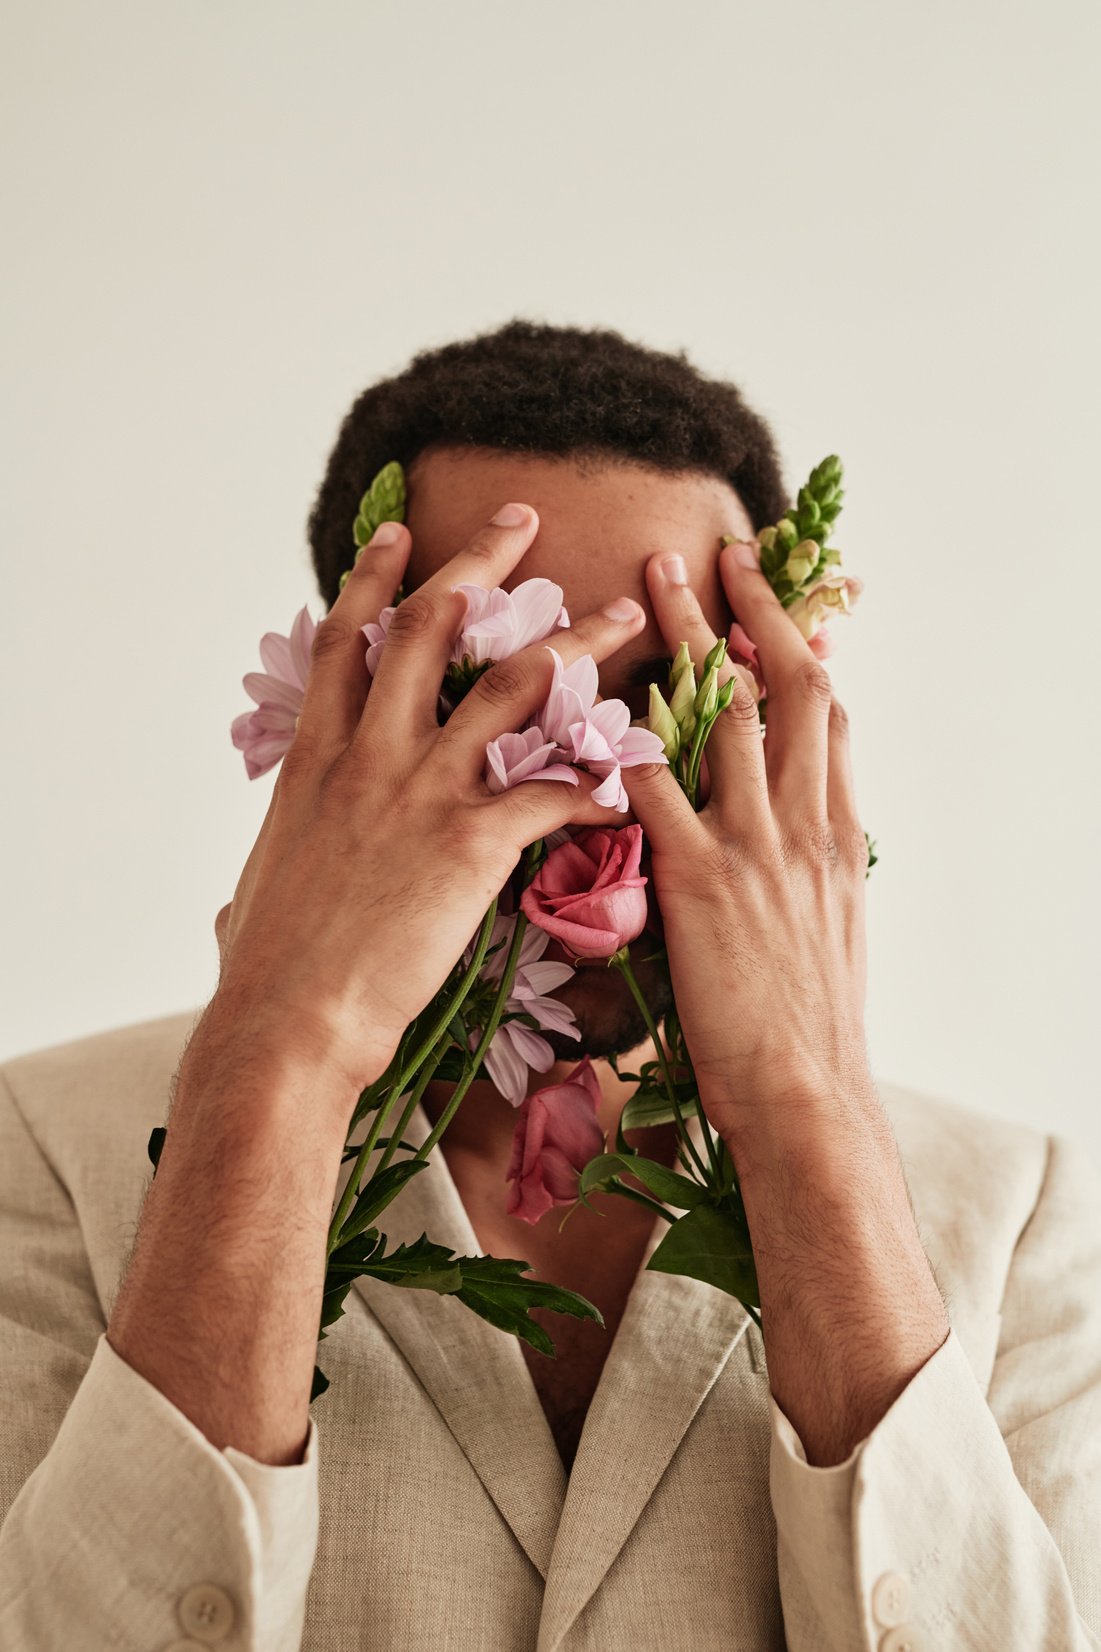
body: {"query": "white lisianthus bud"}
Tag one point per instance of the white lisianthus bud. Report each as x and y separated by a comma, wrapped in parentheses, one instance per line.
(660, 721)
(706, 701)
(682, 702)
(834, 594)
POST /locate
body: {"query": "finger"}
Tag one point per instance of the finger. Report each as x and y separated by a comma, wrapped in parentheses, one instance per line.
(514, 690)
(411, 666)
(535, 808)
(736, 771)
(841, 789)
(798, 684)
(668, 820)
(336, 688)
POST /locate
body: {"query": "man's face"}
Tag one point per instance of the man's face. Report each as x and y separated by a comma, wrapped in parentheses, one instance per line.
(598, 527)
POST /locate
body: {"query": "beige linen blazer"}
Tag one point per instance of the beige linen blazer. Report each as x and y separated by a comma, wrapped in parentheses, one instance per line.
(432, 1512)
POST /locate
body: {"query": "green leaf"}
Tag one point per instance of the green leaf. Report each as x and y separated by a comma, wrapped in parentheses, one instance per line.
(647, 1107)
(711, 1243)
(319, 1385)
(383, 1141)
(380, 1191)
(493, 1289)
(666, 1184)
(156, 1145)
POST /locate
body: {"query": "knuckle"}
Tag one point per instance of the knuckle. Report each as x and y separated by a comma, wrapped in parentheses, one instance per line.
(812, 842)
(333, 637)
(742, 707)
(503, 683)
(414, 617)
(814, 684)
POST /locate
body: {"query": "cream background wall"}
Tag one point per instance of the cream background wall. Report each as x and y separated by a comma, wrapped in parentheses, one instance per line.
(880, 221)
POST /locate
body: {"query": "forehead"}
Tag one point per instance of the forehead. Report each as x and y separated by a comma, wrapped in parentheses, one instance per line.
(599, 523)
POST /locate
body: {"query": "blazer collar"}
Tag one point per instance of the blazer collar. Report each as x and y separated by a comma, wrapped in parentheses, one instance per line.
(675, 1336)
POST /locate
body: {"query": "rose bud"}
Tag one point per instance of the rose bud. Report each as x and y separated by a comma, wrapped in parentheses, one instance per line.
(588, 893)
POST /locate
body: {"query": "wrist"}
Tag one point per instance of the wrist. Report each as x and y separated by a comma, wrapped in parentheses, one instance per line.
(274, 1063)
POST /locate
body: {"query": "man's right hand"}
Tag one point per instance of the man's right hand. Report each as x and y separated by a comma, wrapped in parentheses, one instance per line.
(382, 846)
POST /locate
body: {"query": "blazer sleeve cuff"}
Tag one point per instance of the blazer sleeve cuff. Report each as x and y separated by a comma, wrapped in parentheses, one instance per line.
(923, 1530)
(135, 1531)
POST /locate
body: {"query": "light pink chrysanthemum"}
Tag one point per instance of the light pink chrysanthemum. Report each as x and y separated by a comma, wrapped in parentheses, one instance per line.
(498, 623)
(265, 735)
(515, 1047)
(570, 728)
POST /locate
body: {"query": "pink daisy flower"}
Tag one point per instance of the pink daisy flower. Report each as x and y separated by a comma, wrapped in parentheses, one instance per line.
(265, 735)
(516, 1047)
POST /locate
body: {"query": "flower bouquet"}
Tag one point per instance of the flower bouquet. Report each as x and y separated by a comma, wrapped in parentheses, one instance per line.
(585, 889)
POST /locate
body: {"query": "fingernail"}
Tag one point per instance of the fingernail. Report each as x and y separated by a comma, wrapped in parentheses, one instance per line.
(674, 570)
(387, 533)
(511, 516)
(745, 554)
(622, 609)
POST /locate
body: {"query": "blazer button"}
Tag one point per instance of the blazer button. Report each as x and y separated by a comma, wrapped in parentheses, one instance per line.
(903, 1638)
(891, 1598)
(206, 1613)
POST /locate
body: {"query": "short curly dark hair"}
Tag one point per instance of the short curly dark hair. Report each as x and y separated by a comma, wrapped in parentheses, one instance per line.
(529, 387)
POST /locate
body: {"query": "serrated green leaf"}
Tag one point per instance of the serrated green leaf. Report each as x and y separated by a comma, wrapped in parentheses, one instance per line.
(711, 1243)
(380, 1191)
(493, 1289)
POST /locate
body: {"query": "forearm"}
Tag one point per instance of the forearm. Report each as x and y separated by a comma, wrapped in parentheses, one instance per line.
(850, 1309)
(221, 1303)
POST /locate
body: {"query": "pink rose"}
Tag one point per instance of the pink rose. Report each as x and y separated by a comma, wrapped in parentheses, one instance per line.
(556, 1134)
(588, 893)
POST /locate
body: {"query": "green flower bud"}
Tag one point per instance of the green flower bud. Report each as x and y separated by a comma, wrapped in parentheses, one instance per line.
(716, 655)
(660, 721)
(384, 501)
(682, 662)
(788, 532)
(682, 703)
(706, 702)
(801, 562)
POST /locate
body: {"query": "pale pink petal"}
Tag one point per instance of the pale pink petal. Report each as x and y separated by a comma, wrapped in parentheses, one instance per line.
(640, 745)
(272, 691)
(612, 718)
(544, 977)
(610, 793)
(275, 652)
(301, 642)
(528, 1044)
(507, 1070)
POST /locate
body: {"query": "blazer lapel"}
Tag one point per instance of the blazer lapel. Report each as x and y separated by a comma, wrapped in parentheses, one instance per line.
(475, 1374)
(675, 1336)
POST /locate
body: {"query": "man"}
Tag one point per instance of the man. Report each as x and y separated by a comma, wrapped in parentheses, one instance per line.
(908, 1455)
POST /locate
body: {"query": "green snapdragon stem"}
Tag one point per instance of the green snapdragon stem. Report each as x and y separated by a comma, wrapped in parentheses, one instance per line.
(624, 967)
(424, 1078)
(493, 1020)
(427, 1045)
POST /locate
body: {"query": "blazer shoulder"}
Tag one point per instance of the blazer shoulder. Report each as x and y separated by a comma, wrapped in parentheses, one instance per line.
(100, 1082)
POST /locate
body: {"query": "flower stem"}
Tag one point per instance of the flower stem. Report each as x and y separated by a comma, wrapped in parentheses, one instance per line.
(439, 1025)
(492, 1022)
(623, 964)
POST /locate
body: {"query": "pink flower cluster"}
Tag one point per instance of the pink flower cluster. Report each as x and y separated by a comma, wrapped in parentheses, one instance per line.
(572, 729)
(498, 623)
